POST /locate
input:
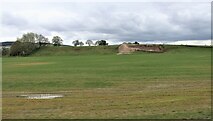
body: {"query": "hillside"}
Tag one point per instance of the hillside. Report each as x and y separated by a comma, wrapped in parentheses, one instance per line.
(68, 50)
(105, 50)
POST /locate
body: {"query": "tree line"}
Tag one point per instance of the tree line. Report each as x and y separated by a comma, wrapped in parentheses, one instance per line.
(31, 42)
(89, 42)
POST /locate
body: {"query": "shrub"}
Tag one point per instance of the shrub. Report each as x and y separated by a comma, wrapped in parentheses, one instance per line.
(22, 48)
(5, 51)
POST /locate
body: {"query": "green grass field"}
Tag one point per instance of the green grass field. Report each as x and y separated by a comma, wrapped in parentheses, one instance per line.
(98, 84)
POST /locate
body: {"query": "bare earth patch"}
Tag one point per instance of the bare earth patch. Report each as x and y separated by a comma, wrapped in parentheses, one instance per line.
(161, 86)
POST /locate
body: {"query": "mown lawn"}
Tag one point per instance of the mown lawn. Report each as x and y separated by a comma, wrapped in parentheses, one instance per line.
(171, 85)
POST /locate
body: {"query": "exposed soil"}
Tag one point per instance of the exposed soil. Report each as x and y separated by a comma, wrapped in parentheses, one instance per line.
(126, 49)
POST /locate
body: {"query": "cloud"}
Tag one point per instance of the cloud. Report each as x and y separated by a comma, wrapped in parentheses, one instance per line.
(116, 22)
(191, 42)
(11, 20)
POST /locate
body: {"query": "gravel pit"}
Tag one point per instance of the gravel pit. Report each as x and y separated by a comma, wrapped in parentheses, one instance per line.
(41, 96)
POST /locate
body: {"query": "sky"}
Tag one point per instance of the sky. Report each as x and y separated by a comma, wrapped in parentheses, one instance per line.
(115, 21)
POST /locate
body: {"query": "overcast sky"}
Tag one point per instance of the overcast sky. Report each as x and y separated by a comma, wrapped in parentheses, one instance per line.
(116, 22)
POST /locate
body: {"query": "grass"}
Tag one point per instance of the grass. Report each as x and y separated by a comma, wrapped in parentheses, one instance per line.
(71, 51)
(97, 83)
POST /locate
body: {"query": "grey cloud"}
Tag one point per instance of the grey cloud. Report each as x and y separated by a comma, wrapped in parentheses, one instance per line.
(8, 19)
(125, 22)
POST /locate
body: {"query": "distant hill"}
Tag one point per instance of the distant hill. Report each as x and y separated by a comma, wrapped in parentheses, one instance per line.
(8, 43)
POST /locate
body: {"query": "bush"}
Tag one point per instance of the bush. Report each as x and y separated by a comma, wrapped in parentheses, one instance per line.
(5, 51)
(136, 43)
(23, 48)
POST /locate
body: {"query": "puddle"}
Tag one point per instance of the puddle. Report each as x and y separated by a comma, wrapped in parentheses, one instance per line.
(41, 96)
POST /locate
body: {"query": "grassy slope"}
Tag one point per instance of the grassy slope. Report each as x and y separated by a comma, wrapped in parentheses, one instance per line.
(101, 84)
(66, 51)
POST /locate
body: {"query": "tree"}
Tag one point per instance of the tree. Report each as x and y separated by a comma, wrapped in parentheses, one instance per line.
(22, 48)
(81, 43)
(89, 42)
(33, 38)
(40, 39)
(28, 37)
(27, 44)
(5, 51)
(97, 43)
(136, 43)
(57, 41)
(101, 42)
(76, 43)
(15, 49)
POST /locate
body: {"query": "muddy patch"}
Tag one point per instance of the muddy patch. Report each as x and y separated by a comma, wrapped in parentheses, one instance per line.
(41, 96)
